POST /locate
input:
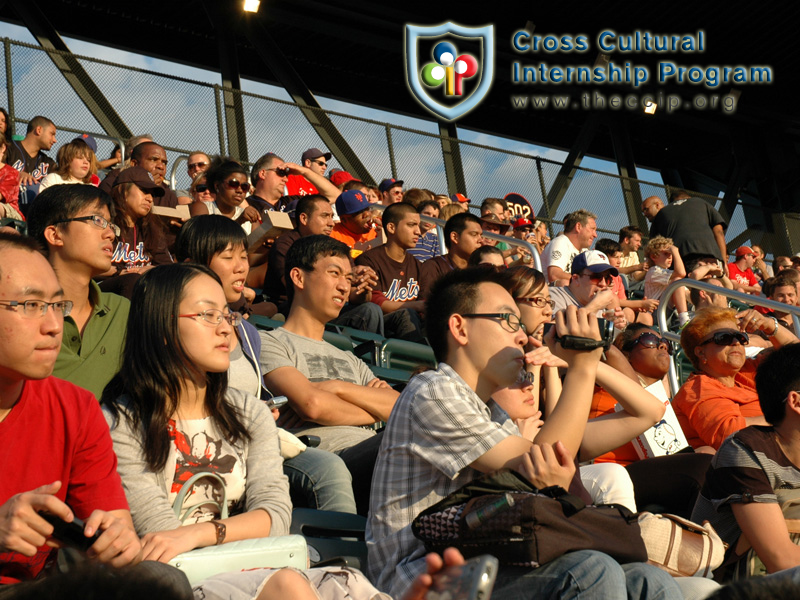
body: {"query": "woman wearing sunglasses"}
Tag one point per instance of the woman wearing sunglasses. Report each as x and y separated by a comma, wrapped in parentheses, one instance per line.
(172, 416)
(672, 482)
(228, 181)
(199, 189)
(720, 397)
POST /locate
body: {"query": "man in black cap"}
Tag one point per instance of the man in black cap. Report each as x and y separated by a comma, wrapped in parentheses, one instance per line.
(391, 191)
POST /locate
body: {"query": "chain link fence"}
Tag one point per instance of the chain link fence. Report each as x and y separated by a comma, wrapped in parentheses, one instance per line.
(186, 115)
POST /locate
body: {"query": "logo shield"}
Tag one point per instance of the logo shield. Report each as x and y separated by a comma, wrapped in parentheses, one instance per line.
(413, 33)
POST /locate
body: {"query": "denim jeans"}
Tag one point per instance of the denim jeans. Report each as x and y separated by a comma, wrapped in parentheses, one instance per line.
(367, 316)
(320, 480)
(585, 575)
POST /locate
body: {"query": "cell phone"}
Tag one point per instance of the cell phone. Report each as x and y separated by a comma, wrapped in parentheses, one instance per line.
(71, 533)
(547, 327)
(277, 402)
(473, 580)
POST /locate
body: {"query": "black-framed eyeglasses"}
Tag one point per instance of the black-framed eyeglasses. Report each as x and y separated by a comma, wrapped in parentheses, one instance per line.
(538, 301)
(596, 278)
(727, 337)
(200, 188)
(38, 308)
(280, 171)
(214, 316)
(197, 165)
(513, 321)
(96, 220)
(648, 340)
(321, 163)
(235, 184)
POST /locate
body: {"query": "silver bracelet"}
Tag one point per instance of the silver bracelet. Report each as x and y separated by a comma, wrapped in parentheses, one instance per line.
(774, 331)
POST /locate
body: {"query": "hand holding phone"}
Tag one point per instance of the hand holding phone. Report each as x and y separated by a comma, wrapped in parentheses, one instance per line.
(70, 534)
(473, 580)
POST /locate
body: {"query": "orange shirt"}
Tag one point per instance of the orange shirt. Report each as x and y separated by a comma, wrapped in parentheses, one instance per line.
(344, 235)
(603, 404)
(709, 411)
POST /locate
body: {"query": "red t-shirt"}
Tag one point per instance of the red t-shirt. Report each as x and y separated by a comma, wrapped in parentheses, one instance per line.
(56, 431)
(746, 277)
(297, 185)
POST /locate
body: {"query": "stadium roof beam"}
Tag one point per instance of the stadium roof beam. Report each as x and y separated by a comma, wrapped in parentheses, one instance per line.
(40, 27)
(573, 160)
(233, 106)
(272, 55)
(451, 152)
(626, 167)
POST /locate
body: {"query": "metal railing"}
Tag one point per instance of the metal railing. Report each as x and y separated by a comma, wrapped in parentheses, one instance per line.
(186, 115)
(661, 313)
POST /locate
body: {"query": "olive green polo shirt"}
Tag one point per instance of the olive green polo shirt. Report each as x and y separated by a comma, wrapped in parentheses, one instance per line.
(91, 360)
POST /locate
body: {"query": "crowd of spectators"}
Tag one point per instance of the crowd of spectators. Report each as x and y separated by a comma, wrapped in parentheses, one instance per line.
(129, 362)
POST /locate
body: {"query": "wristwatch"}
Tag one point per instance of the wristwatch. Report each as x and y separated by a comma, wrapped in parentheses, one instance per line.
(221, 530)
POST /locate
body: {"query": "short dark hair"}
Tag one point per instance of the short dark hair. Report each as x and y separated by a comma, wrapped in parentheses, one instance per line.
(456, 292)
(138, 151)
(428, 203)
(307, 205)
(204, 236)
(396, 212)
(581, 216)
(353, 184)
(782, 279)
(458, 223)
(607, 246)
(628, 232)
(482, 252)
(37, 121)
(778, 375)
(60, 202)
(306, 251)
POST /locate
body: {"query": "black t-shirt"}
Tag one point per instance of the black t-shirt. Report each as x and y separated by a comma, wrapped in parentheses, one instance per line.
(274, 287)
(38, 165)
(397, 281)
(689, 223)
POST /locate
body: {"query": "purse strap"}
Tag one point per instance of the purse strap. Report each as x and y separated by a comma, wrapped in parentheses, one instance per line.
(177, 505)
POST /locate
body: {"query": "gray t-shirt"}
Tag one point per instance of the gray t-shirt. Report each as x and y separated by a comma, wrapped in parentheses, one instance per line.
(318, 361)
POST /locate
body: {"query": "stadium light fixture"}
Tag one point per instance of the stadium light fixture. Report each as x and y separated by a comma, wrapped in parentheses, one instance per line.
(251, 5)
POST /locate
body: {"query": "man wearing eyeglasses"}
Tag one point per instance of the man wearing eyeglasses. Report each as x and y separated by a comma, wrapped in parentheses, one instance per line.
(197, 162)
(57, 455)
(445, 430)
(73, 223)
(590, 287)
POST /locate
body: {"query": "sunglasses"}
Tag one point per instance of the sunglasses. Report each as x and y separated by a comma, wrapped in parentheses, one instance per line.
(597, 277)
(197, 165)
(727, 337)
(280, 171)
(649, 340)
(235, 184)
(201, 188)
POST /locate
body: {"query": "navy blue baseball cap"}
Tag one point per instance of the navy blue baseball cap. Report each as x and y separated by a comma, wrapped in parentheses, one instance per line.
(388, 184)
(351, 202)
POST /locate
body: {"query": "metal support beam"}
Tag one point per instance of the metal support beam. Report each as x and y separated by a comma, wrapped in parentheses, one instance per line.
(451, 151)
(272, 55)
(231, 95)
(626, 167)
(37, 23)
(564, 178)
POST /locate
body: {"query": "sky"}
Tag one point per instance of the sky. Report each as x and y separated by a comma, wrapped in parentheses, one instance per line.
(183, 115)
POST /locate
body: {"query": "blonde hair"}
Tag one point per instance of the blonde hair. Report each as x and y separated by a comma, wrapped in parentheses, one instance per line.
(448, 210)
(657, 245)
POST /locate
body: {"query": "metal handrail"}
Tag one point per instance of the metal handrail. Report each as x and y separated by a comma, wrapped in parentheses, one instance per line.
(661, 312)
(173, 181)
